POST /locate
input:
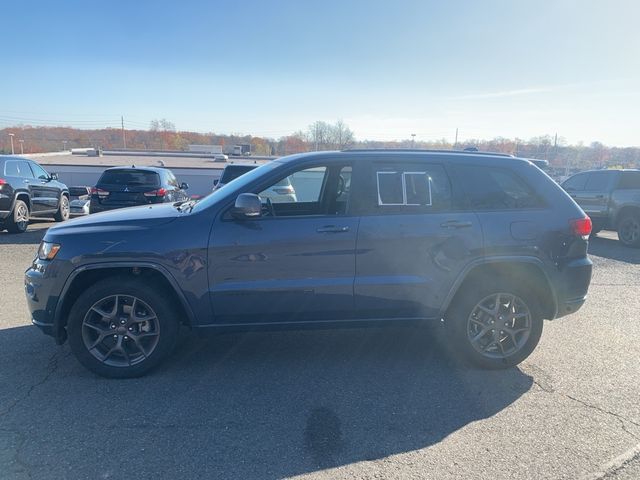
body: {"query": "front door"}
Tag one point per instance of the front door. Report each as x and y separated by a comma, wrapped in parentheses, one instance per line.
(44, 193)
(594, 199)
(295, 263)
(411, 244)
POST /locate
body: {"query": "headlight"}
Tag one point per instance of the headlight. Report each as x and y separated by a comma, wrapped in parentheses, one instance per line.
(48, 250)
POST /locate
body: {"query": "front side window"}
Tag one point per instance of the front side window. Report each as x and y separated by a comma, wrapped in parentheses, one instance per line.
(39, 172)
(303, 186)
(598, 181)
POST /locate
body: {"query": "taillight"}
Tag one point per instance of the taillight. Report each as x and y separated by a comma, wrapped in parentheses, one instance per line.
(2, 181)
(99, 192)
(581, 226)
(161, 192)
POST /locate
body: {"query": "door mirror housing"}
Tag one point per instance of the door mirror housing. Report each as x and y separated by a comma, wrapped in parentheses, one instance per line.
(248, 205)
(184, 186)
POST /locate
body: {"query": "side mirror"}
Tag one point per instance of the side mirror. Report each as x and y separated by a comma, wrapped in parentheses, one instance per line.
(248, 205)
(184, 186)
(53, 176)
(216, 181)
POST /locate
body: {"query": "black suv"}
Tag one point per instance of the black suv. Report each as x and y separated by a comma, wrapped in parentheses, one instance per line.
(487, 243)
(120, 187)
(26, 189)
(612, 200)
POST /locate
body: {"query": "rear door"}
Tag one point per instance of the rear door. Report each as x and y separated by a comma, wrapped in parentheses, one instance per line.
(412, 243)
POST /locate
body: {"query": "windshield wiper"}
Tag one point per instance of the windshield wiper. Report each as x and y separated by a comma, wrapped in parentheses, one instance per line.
(182, 206)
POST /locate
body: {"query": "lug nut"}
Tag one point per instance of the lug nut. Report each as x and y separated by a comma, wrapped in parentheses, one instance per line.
(115, 336)
(126, 338)
(113, 325)
(131, 328)
(122, 322)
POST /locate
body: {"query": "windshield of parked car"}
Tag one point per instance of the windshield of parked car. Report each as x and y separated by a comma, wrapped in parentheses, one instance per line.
(236, 184)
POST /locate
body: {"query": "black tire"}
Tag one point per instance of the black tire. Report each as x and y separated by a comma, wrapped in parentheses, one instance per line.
(63, 210)
(459, 326)
(629, 229)
(18, 219)
(167, 320)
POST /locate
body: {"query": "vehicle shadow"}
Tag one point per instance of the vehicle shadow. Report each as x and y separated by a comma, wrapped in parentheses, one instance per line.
(254, 405)
(33, 235)
(613, 249)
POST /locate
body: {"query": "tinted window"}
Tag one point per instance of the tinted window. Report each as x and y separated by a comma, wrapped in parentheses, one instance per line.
(629, 180)
(301, 186)
(598, 181)
(39, 172)
(489, 188)
(576, 183)
(17, 169)
(231, 173)
(406, 186)
(129, 177)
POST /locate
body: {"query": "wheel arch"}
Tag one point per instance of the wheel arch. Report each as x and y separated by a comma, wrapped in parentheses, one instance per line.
(622, 211)
(25, 197)
(87, 275)
(527, 270)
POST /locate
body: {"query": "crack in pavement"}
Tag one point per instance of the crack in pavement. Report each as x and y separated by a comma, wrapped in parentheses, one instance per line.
(52, 366)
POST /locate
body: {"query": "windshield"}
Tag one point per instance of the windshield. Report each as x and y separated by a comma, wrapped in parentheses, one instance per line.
(236, 184)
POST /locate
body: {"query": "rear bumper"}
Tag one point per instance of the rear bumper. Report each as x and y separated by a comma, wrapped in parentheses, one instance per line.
(571, 284)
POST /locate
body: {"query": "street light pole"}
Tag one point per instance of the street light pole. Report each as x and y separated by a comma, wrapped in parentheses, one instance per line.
(11, 137)
(21, 146)
(413, 140)
(64, 145)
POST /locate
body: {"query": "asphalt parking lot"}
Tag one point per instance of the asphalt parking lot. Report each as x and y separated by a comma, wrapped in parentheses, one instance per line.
(363, 403)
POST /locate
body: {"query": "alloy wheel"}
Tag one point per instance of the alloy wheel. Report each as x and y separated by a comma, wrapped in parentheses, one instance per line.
(22, 216)
(499, 325)
(630, 230)
(120, 330)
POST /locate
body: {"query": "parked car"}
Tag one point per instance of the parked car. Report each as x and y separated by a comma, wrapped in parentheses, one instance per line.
(120, 187)
(487, 243)
(80, 198)
(26, 190)
(281, 192)
(612, 199)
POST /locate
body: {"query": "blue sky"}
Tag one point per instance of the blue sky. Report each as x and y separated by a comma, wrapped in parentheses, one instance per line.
(388, 69)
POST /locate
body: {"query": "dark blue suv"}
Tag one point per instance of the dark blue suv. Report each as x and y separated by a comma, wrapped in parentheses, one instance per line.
(486, 243)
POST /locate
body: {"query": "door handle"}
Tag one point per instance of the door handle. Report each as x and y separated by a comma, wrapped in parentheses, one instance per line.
(332, 229)
(26, 180)
(599, 196)
(456, 224)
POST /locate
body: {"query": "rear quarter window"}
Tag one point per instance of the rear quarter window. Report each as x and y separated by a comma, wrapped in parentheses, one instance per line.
(495, 188)
(629, 181)
(129, 177)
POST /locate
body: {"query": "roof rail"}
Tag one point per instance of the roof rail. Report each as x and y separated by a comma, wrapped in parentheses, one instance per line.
(421, 150)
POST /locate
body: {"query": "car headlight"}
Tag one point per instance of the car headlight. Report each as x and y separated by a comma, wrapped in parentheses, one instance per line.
(48, 250)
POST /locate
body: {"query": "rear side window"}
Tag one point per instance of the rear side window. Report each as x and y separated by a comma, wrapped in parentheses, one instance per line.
(598, 181)
(17, 169)
(494, 188)
(231, 173)
(129, 177)
(407, 187)
(629, 181)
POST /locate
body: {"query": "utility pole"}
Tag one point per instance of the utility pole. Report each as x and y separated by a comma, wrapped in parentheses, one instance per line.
(124, 138)
(413, 140)
(555, 146)
(455, 144)
(64, 145)
(21, 146)
(11, 138)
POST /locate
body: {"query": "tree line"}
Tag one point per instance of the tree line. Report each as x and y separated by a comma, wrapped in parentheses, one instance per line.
(320, 135)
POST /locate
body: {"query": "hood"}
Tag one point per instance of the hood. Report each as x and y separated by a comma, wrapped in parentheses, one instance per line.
(132, 218)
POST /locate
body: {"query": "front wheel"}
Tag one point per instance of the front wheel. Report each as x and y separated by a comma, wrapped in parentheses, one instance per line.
(493, 326)
(122, 328)
(629, 230)
(63, 210)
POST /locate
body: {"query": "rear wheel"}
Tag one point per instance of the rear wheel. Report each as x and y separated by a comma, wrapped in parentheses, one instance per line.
(121, 328)
(494, 326)
(63, 210)
(629, 229)
(18, 219)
